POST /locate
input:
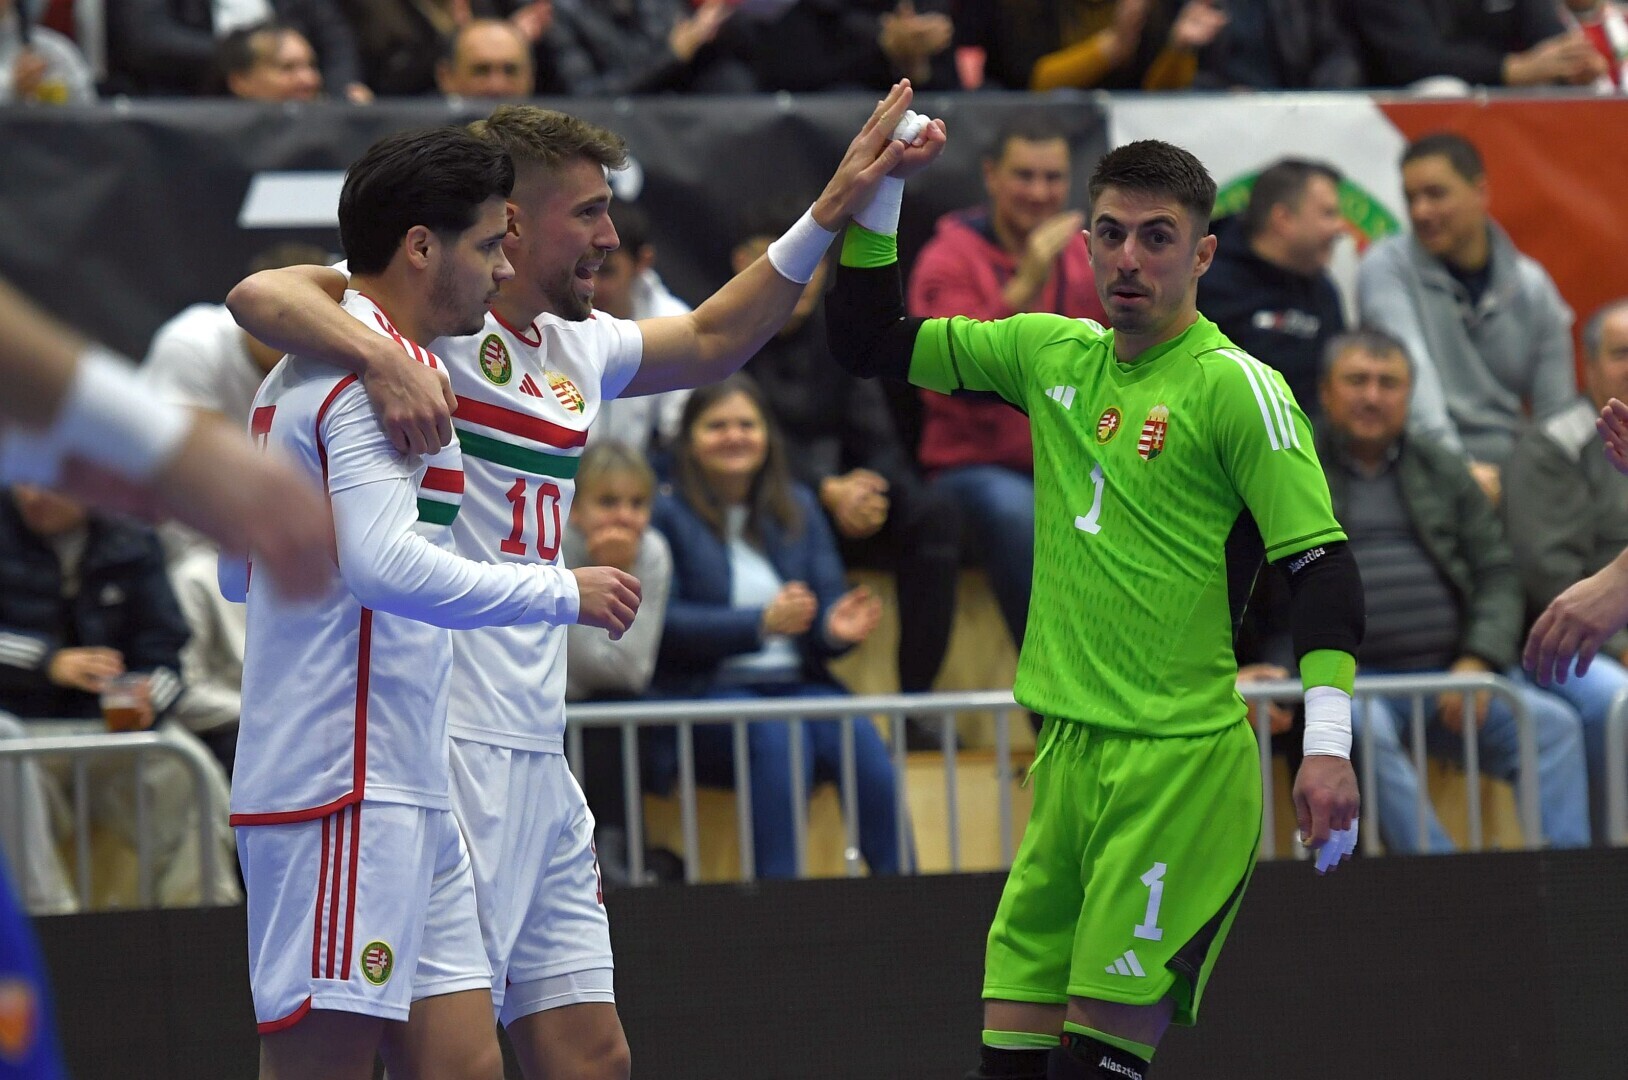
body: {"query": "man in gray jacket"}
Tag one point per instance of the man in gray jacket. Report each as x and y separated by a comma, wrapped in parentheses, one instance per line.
(1486, 327)
(1567, 513)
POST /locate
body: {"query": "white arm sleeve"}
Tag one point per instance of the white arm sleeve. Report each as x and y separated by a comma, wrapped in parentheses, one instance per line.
(388, 567)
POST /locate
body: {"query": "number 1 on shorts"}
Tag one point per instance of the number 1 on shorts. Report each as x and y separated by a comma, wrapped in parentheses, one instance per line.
(1154, 880)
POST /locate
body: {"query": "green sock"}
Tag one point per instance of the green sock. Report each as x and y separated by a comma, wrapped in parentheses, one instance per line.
(1141, 1050)
(1018, 1040)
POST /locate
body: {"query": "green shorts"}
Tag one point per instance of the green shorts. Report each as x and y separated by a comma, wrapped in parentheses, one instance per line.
(1131, 869)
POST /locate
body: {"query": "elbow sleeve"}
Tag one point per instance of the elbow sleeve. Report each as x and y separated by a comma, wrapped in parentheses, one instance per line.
(866, 324)
(1326, 609)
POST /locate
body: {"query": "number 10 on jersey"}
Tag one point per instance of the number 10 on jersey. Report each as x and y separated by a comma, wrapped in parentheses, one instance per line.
(547, 500)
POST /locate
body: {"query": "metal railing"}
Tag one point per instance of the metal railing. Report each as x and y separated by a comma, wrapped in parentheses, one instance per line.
(1616, 770)
(81, 750)
(1418, 688)
(628, 716)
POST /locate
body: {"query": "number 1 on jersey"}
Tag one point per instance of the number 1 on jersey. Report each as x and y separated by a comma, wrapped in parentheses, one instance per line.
(1088, 521)
(548, 520)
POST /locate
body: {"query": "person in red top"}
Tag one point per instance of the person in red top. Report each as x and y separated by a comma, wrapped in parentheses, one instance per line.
(1605, 24)
(1023, 251)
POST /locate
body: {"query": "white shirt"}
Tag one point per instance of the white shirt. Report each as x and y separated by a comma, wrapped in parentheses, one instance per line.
(526, 399)
(344, 696)
(200, 359)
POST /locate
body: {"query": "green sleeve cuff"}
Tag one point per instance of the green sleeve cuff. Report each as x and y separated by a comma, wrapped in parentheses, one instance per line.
(1328, 667)
(864, 249)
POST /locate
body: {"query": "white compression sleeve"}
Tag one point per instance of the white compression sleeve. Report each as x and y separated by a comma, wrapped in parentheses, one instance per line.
(389, 567)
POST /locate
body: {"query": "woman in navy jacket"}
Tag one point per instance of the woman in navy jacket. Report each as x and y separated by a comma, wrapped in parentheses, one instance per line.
(758, 605)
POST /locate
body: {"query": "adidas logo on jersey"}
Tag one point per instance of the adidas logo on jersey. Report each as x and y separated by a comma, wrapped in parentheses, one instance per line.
(1063, 395)
(1127, 965)
(529, 386)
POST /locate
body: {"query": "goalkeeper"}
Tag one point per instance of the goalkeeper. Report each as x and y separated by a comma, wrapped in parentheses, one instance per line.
(1168, 462)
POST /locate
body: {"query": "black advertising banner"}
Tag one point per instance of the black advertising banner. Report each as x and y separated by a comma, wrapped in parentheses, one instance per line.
(116, 217)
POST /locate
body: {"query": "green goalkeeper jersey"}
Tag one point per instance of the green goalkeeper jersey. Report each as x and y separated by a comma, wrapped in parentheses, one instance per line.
(1142, 472)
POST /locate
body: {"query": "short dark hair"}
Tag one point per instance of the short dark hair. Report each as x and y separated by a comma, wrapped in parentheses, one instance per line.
(1030, 126)
(1152, 167)
(1460, 153)
(437, 178)
(1594, 329)
(771, 494)
(243, 48)
(548, 139)
(1282, 184)
(1368, 339)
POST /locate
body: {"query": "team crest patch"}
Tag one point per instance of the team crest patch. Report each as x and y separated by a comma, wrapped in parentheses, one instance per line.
(1151, 444)
(494, 360)
(566, 391)
(19, 1020)
(1108, 425)
(377, 962)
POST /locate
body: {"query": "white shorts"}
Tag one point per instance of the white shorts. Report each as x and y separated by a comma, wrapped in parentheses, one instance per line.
(366, 911)
(542, 904)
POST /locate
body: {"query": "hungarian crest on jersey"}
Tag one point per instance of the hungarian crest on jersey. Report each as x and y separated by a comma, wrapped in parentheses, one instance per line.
(378, 960)
(494, 360)
(566, 391)
(1108, 424)
(1151, 443)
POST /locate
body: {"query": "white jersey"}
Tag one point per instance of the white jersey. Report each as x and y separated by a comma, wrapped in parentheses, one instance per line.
(200, 359)
(342, 701)
(526, 399)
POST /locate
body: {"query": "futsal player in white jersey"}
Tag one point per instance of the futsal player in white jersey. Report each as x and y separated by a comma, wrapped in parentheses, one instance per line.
(361, 900)
(529, 384)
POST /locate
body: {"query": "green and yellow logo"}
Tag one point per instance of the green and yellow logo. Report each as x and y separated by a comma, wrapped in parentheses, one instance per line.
(494, 360)
(1108, 425)
(1366, 218)
(377, 962)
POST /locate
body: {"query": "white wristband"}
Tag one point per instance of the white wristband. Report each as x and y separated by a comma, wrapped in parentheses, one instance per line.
(797, 254)
(881, 214)
(1328, 722)
(112, 419)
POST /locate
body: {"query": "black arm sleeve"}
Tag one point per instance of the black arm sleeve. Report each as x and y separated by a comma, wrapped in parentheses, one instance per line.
(1326, 608)
(866, 324)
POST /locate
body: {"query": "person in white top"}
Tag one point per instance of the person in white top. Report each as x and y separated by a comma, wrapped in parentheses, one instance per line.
(361, 901)
(529, 385)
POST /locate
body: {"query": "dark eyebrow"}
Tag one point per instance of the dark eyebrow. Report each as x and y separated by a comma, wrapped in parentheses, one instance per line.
(1166, 220)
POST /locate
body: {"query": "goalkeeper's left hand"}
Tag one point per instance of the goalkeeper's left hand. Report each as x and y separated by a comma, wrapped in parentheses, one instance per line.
(1326, 804)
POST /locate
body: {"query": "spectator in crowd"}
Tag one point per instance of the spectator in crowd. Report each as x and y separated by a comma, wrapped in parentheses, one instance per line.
(487, 59)
(1489, 335)
(201, 359)
(27, 832)
(1111, 44)
(841, 443)
(628, 287)
(610, 526)
(1269, 289)
(856, 45)
(1022, 251)
(169, 46)
(1605, 24)
(1280, 45)
(758, 605)
(1476, 43)
(269, 62)
(599, 48)
(39, 65)
(85, 599)
(400, 41)
(1441, 593)
(1567, 514)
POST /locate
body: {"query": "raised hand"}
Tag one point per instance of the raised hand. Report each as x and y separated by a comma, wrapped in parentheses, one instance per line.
(1613, 428)
(1577, 623)
(609, 598)
(871, 155)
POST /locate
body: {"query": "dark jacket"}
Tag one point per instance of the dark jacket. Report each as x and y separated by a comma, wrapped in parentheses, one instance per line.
(1278, 316)
(124, 602)
(832, 421)
(1406, 40)
(961, 271)
(1014, 34)
(1460, 532)
(702, 629)
(834, 45)
(602, 49)
(1301, 45)
(168, 46)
